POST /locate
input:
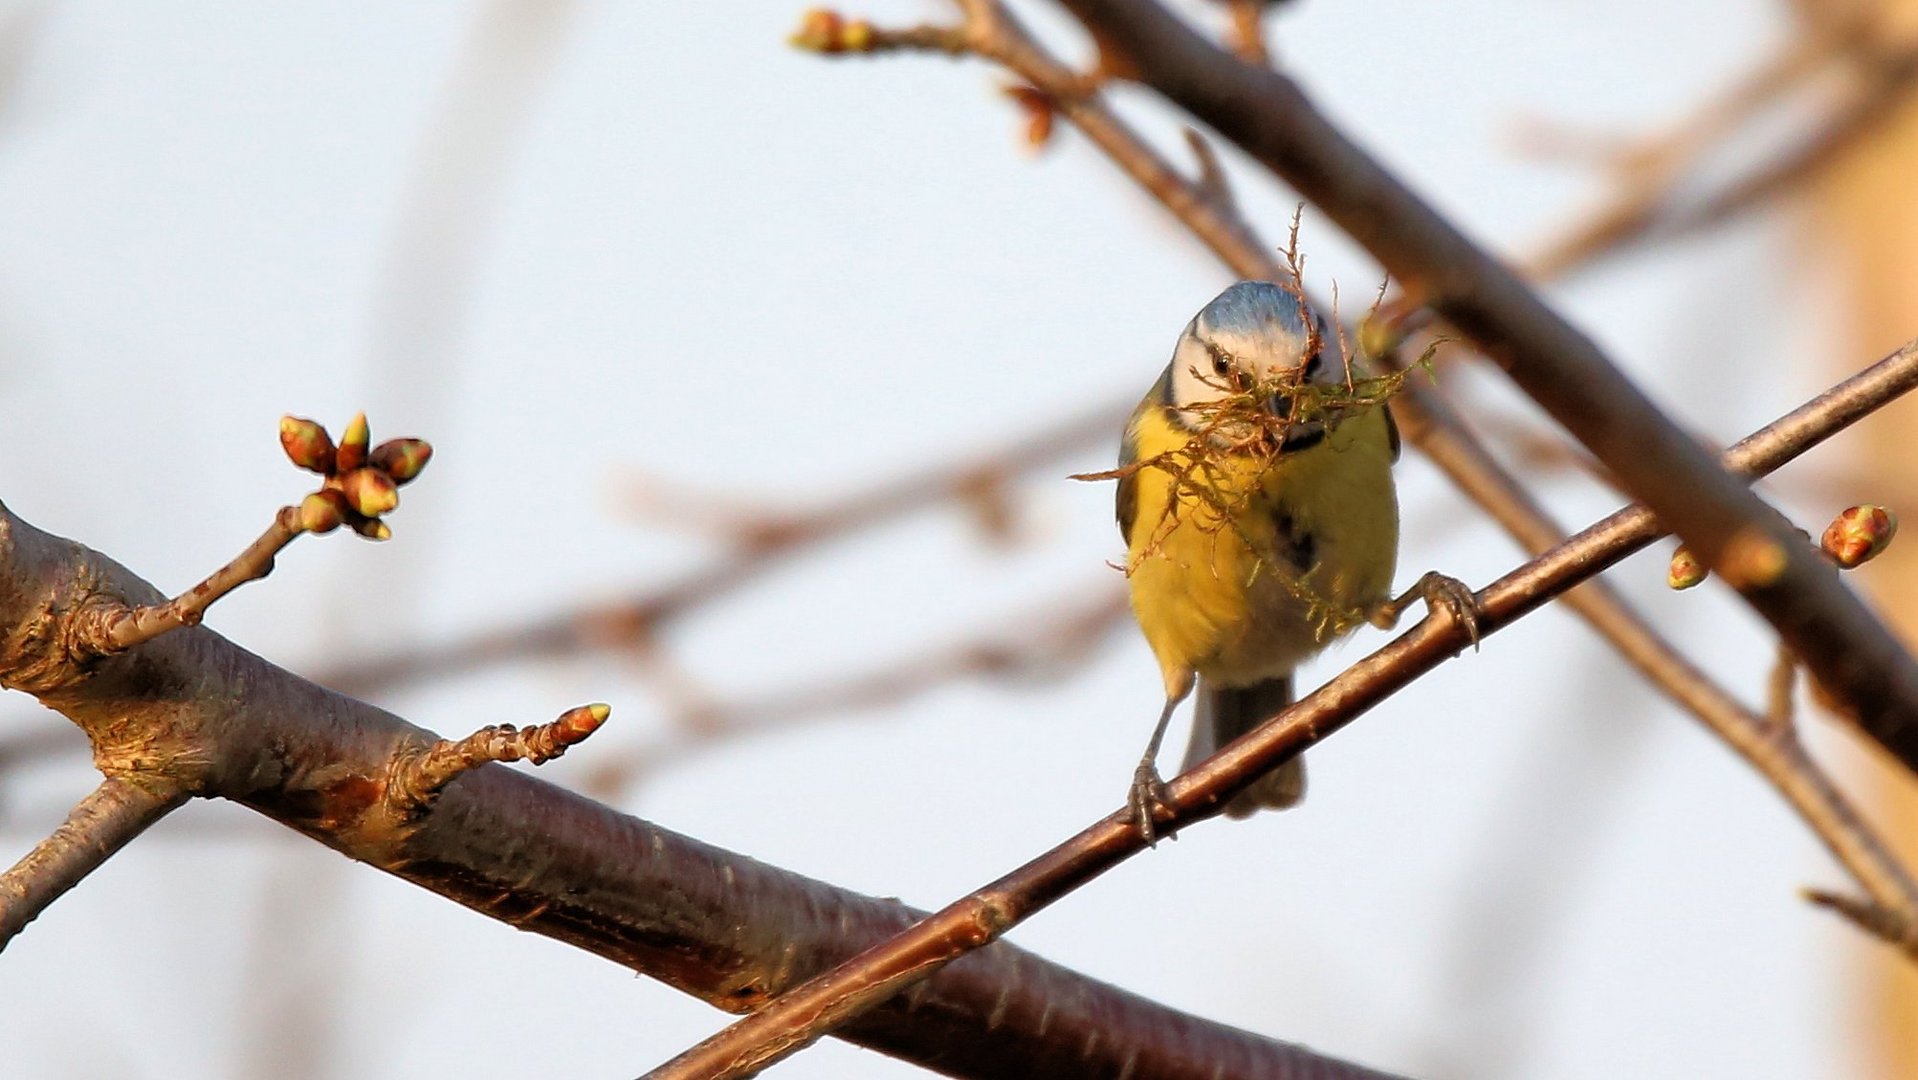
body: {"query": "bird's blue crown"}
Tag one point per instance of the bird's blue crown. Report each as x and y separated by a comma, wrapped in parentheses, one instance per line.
(1249, 307)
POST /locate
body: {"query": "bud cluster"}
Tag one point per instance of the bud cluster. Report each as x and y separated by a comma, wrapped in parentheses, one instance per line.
(361, 483)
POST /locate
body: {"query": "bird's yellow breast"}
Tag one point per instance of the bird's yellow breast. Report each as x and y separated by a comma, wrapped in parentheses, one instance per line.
(1242, 565)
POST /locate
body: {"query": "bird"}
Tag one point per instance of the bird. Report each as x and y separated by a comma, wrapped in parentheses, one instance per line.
(1260, 518)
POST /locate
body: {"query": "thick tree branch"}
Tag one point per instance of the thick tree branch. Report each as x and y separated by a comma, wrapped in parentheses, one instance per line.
(105, 821)
(799, 1018)
(1755, 549)
(192, 709)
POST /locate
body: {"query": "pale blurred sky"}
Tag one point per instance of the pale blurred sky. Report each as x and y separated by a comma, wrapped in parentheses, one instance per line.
(568, 242)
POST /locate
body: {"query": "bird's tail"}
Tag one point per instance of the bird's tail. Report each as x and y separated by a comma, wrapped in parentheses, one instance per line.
(1227, 712)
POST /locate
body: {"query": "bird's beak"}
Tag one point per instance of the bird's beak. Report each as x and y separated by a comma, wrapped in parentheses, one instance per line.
(1302, 436)
(1297, 436)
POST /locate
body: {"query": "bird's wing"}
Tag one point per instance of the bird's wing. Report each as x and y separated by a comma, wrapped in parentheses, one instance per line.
(1128, 497)
(1127, 501)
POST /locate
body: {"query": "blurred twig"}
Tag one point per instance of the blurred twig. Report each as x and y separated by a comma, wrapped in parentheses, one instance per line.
(36, 742)
(1043, 644)
(20, 29)
(1652, 177)
(631, 624)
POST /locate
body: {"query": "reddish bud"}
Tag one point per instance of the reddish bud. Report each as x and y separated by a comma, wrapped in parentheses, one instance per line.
(372, 528)
(401, 459)
(575, 724)
(370, 492)
(352, 452)
(819, 31)
(1038, 108)
(1859, 534)
(307, 444)
(323, 511)
(1686, 571)
(825, 31)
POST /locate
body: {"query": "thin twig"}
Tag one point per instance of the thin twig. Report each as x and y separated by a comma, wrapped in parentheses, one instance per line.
(114, 627)
(1871, 917)
(419, 776)
(800, 1017)
(102, 823)
(1247, 33)
(1778, 695)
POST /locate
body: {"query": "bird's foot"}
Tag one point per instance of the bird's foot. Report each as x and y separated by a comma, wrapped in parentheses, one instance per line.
(1146, 799)
(1440, 593)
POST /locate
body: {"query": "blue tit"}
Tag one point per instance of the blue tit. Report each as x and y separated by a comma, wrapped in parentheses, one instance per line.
(1260, 521)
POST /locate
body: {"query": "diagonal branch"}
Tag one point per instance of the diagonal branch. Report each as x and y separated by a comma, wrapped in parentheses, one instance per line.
(799, 1018)
(104, 822)
(1754, 548)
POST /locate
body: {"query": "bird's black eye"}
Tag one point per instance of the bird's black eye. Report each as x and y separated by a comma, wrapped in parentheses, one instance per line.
(1221, 360)
(1315, 364)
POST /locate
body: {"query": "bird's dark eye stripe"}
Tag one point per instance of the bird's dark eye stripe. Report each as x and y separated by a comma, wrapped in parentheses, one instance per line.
(1316, 364)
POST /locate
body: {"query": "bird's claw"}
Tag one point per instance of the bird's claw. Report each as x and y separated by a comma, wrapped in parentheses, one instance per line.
(1456, 597)
(1439, 592)
(1147, 797)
